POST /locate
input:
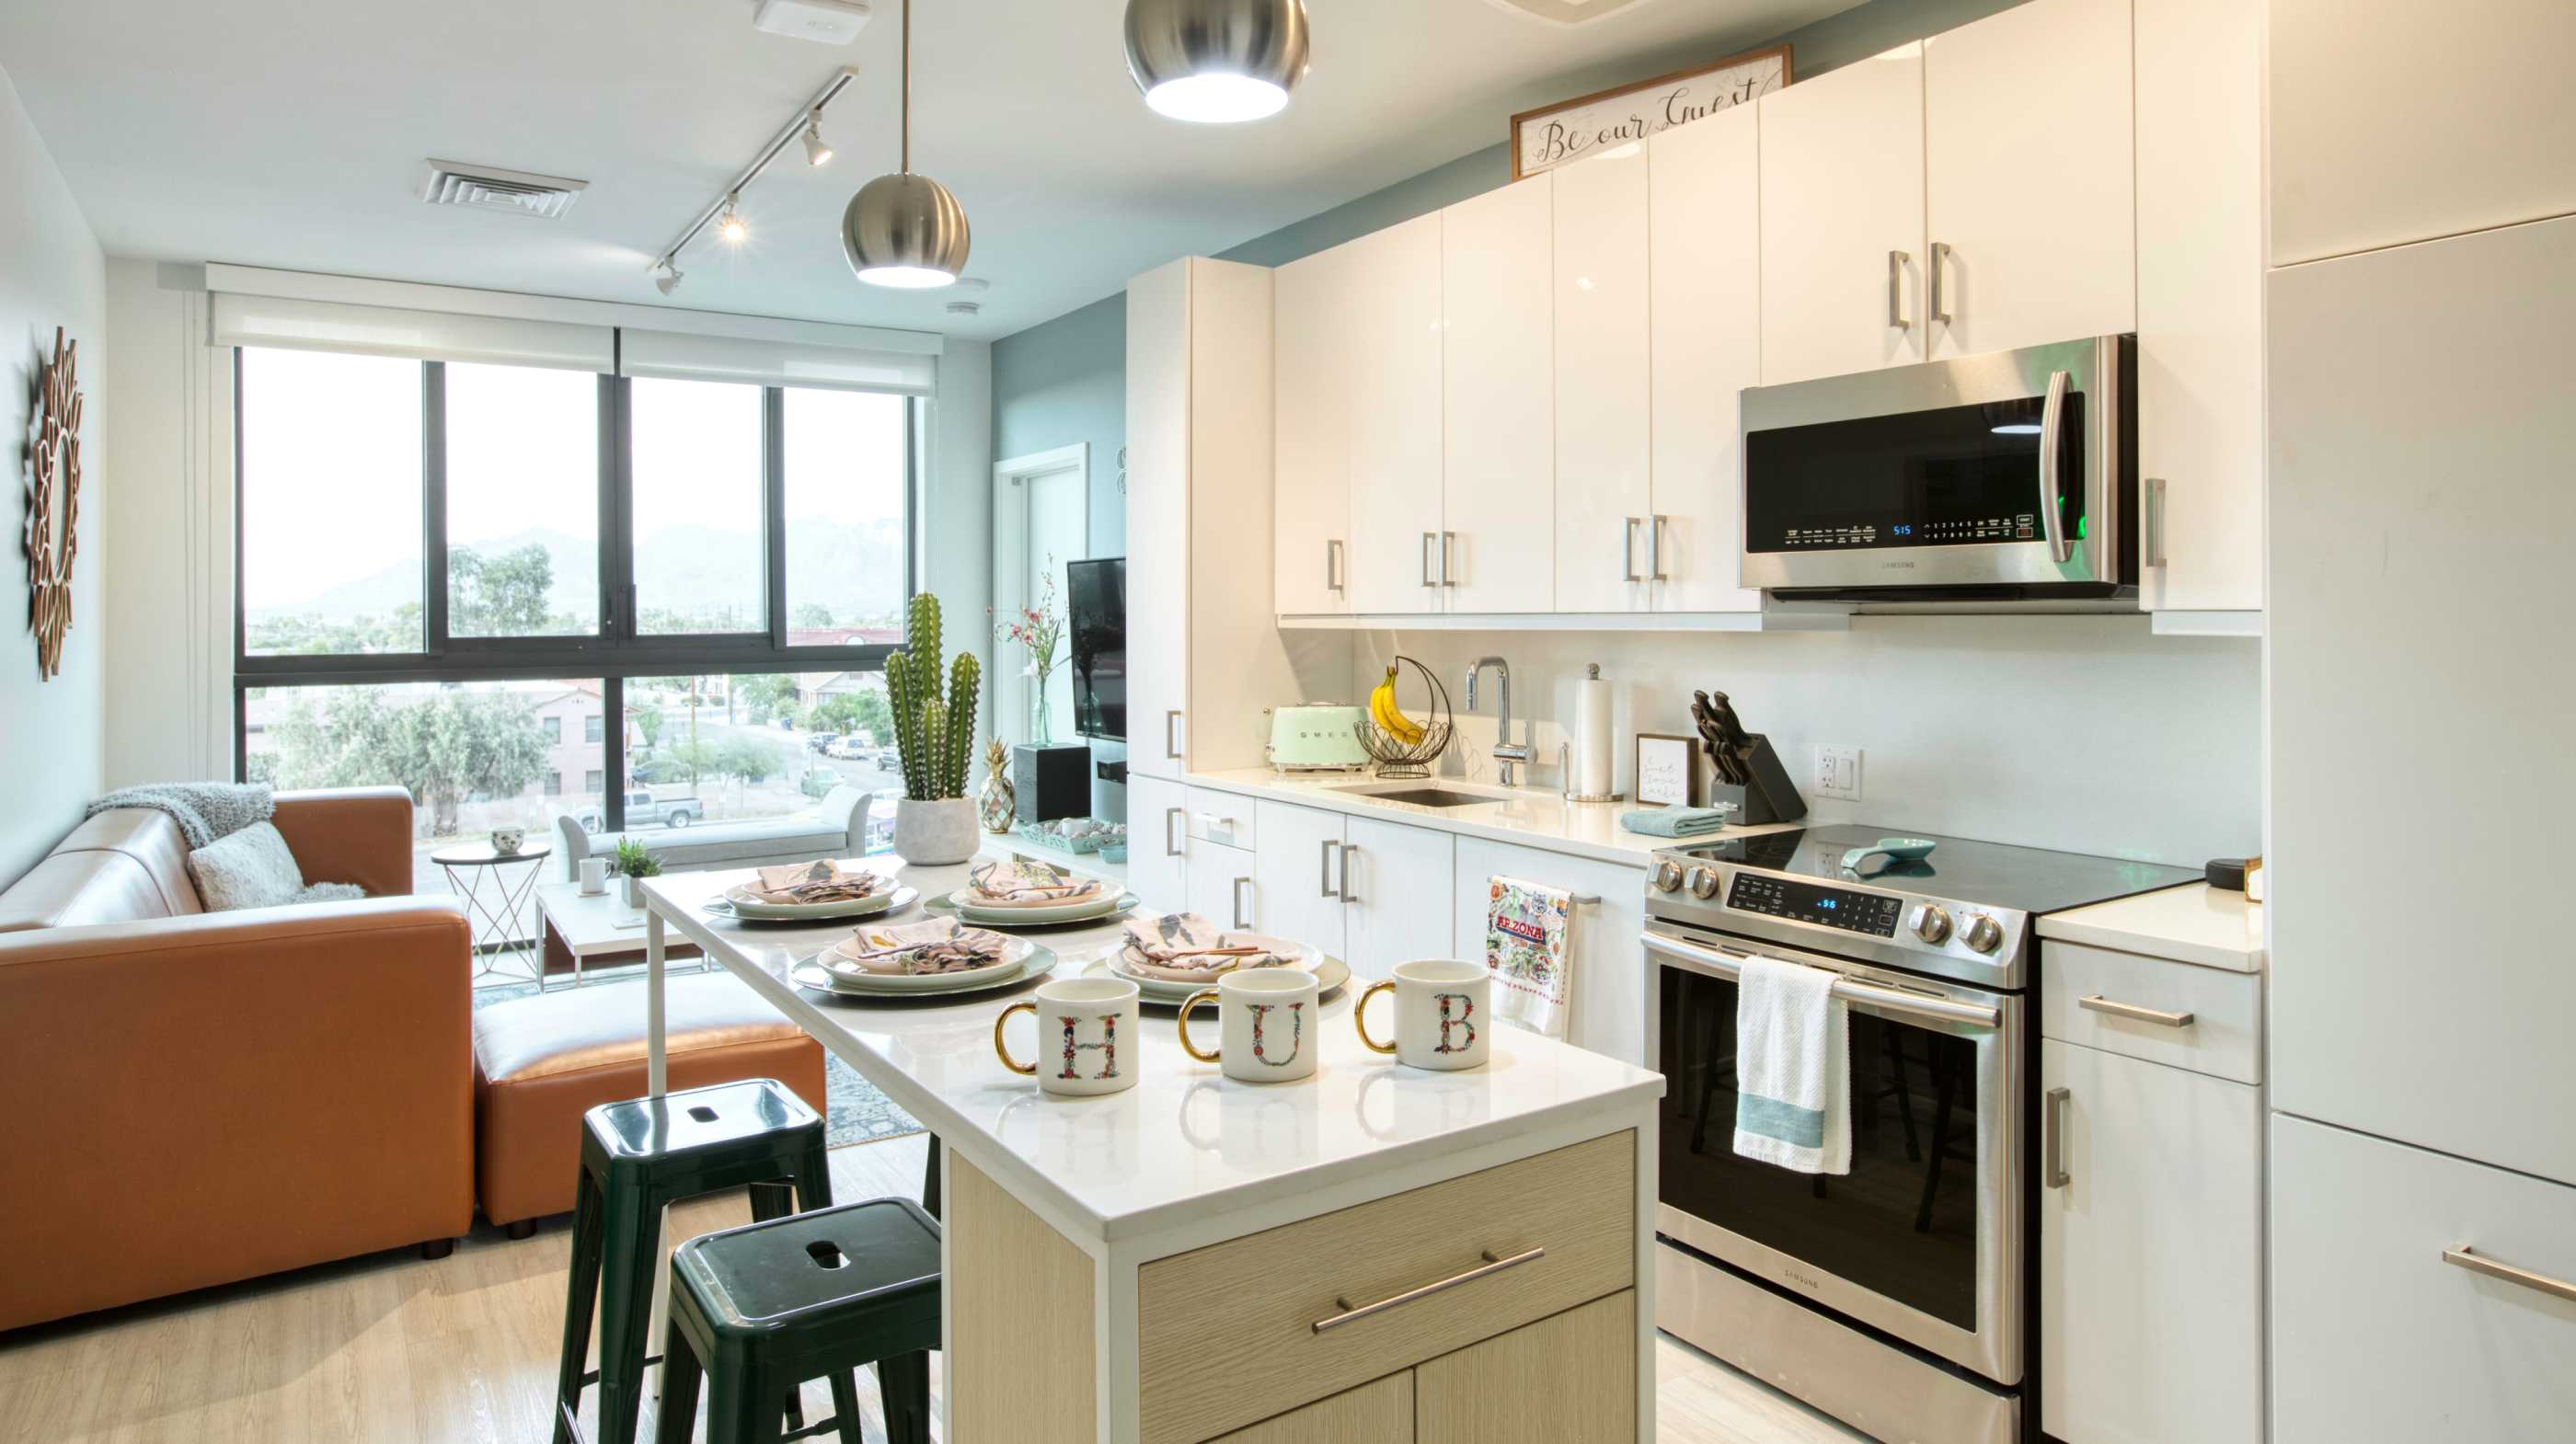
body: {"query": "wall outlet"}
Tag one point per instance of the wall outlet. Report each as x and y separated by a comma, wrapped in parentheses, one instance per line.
(1837, 772)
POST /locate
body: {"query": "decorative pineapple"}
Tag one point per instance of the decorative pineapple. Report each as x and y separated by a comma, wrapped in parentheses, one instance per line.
(1001, 805)
(934, 735)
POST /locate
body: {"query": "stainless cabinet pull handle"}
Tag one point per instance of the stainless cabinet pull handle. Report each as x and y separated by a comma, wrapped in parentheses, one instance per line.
(1728, 963)
(1655, 549)
(1628, 549)
(2478, 1263)
(2155, 556)
(1171, 845)
(2100, 1004)
(1171, 749)
(1446, 579)
(2051, 413)
(1491, 1266)
(1332, 564)
(1348, 896)
(1240, 920)
(1940, 258)
(1895, 291)
(1324, 862)
(1427, 538)
(2052, 1139)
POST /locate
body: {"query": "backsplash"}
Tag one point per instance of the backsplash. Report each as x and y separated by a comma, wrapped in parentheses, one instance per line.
(2082, 733)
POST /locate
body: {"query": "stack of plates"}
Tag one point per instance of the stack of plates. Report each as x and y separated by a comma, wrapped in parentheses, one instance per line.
(834, 971)
(742, 903)
(1107, 904)
(1330, 973)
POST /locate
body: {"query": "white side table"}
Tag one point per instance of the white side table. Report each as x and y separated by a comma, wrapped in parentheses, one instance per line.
(480, 877)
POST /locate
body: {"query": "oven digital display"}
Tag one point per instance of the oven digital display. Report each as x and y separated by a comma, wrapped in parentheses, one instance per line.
(1832, 907)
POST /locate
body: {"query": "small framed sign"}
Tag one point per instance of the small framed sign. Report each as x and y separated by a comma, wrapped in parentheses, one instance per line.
(1569, 130)
(1668, 771)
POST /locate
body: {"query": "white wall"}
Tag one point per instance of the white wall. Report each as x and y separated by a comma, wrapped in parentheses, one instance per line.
(957, 517)
(2079, 733)
(52, 273)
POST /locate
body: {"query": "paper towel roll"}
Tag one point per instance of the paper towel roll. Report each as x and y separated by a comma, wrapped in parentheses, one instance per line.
(1593, 754)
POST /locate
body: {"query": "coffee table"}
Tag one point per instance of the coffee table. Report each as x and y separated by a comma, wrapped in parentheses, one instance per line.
(586, 930)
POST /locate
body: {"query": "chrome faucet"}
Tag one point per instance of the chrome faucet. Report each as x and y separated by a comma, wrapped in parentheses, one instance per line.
(1505, 752)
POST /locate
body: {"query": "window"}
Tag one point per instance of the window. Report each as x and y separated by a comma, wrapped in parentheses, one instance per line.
(331, 493)
(554, 784)
(594, 781)
(522, 502)
(591, 730)
(554, 729)
(845, 523)
(698, 510)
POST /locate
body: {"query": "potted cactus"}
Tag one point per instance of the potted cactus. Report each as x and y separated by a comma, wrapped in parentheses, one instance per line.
(934, 735)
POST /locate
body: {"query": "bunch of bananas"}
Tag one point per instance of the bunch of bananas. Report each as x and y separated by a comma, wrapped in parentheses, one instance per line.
(1390, 718)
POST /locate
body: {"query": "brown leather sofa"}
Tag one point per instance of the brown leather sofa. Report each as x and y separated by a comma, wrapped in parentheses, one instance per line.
(190, 1098)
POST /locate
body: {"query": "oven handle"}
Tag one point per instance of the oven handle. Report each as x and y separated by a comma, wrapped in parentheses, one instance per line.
(2051, 414)
(1726, 962)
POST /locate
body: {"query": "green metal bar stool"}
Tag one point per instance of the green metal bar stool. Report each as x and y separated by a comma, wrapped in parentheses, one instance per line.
(637, 1158)
(760, 1309)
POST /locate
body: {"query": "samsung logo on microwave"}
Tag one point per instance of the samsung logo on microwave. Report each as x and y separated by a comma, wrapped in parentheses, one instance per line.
(1897, 566)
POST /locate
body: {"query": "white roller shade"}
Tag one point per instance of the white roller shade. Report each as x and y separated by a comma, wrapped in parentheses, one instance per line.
(685, 357)
(245, 320)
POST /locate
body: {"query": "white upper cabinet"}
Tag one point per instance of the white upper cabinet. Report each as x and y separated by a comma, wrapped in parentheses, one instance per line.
(1704, 237)
(2029, 185)
(1496, 551)
(1604, 490)
(2376, 142)
(2200, 303)
(1392, 287)
(1158, 518)
(1311, 538)
(1842, 220)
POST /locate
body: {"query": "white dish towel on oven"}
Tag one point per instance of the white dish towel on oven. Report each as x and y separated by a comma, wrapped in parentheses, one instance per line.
(1792, 1068)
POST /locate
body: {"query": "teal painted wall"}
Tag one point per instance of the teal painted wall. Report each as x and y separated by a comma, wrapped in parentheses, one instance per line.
(1064, 380)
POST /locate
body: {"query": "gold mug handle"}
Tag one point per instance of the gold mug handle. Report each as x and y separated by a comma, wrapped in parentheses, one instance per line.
(1203, 995)
(1359, 1017)
(1003, 1052)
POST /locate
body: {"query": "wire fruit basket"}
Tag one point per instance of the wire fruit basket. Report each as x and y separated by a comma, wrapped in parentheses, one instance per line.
(1394, 755)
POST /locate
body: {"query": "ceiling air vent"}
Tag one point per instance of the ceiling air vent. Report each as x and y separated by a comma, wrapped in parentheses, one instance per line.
(490, 188)
(1569, 12)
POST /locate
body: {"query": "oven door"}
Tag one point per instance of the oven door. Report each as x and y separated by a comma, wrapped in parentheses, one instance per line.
(2007, 471)
(1923, 1239)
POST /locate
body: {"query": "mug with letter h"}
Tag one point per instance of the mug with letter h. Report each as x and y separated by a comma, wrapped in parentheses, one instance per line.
(1443, 1014)
(1087, 1036)
(1266, 1021)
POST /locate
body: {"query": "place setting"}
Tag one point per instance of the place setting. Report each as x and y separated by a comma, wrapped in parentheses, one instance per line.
(932, 957)
(806, 893)
(1174, 956)
(1018, 893)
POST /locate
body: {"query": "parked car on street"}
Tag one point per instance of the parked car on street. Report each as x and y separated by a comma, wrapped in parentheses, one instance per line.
(643, 809)
(822, 741)
(850, 749)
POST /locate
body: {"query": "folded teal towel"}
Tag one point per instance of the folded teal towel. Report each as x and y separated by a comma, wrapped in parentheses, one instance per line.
(1675, 821)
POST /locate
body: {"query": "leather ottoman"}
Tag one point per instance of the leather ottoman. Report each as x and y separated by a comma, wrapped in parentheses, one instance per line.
(541, 1062)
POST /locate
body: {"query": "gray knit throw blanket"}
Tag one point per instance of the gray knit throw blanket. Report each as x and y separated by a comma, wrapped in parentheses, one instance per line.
(204, 810)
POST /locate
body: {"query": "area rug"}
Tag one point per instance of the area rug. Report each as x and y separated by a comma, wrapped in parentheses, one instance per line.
(858, 1112)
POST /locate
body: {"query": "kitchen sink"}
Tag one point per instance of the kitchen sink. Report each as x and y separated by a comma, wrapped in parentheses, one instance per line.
(1423, 796)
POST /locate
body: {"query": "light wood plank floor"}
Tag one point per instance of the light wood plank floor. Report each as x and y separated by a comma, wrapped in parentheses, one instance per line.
(394, 1349)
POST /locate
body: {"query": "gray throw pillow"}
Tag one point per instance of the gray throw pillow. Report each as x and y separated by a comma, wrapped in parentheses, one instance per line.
(251, 868)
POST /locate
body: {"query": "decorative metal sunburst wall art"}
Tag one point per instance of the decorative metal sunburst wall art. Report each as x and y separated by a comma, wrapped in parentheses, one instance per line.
(53, 505)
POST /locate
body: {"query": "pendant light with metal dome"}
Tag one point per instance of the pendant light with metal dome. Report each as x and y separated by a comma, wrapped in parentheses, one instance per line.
(904, 230)
(1216, 61)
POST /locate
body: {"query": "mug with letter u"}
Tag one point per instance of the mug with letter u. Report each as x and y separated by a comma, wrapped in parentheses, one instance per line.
(1266, 1022)
(1087, 1036)
(1443, 1014)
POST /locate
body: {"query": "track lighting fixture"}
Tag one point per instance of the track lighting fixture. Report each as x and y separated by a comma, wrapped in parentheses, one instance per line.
(730, 226)
(905, 230)
(724, 213)
(1216, 61)
(817, 150)
(668, 280)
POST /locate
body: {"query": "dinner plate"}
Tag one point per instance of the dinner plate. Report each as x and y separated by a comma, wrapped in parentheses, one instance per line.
(1020, 959)
(762, 912)
(1054, 917)
(1330, 973)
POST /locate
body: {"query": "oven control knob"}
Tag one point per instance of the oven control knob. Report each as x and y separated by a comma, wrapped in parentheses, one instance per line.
(1931, 924)
(1703, 882)
(1668, 876)
(1984, 934)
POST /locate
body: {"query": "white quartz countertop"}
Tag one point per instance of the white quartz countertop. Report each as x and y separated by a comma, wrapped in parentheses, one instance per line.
(1186, 1141)
(1526, 816)
(2195, 923)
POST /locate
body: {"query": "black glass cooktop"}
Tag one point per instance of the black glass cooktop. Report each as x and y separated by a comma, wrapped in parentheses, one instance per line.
(1991, 874)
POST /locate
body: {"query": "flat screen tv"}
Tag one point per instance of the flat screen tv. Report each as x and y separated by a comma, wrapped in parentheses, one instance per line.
(1096, 619)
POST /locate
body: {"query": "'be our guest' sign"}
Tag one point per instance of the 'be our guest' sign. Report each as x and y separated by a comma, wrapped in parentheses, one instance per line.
(1552, 135)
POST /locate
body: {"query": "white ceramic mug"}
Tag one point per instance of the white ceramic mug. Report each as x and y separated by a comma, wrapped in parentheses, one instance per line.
(1444, 1014)
(1088, 1036)
(1267, 1022)
(594, 876)
(508, 840)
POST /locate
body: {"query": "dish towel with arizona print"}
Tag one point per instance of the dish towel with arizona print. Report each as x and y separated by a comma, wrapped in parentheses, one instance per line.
(1792, 1068)
(1529, 948)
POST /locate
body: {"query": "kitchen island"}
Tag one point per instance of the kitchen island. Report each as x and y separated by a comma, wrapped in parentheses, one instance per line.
(1375, 1254)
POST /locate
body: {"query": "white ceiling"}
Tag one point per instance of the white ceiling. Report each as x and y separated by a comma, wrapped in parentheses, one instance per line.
(292, 133)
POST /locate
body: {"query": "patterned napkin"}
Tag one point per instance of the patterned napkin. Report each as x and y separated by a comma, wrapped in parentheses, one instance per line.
(1026, 882)
(914, 949)
(1187, 948)
(806, 883)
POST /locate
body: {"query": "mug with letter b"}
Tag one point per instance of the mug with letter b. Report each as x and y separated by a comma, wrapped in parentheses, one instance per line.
(1266, 1020)
(1443, 1014)
(1087, 1036)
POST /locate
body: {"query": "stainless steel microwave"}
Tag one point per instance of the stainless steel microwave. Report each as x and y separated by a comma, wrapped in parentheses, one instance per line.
(1983, 483)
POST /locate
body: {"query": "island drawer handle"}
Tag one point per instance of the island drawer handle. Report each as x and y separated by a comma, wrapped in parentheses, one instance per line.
(1490, 1266)
(2476, 1263)
(2100, 1004)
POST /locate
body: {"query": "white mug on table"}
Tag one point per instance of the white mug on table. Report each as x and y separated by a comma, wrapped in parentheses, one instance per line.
(1266, 1022)
(1087, 1036)
(594, 876)
(1444, 1014)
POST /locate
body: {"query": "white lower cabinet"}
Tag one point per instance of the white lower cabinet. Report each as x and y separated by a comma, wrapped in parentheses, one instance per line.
(1608, 1013)
(2150, 1253)
(1396, 883)
(1220, 886)
(1158, 840)
(2377, 1338)
(1298, 874)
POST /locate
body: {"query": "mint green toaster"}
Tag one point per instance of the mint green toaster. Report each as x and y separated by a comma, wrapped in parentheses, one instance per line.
(1316, 736)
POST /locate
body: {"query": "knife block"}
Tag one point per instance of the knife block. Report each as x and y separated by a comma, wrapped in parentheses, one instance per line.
(1770, 797)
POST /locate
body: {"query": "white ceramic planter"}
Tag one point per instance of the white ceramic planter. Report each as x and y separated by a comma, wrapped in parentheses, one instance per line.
(935, 834)
(633, 887)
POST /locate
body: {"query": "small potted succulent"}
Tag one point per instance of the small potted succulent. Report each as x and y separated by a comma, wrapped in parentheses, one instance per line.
(635, 862)
(934, 735)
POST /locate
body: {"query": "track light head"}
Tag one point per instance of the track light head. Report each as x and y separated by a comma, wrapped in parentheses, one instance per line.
(730, 226)
(669, 280)
(817, 150)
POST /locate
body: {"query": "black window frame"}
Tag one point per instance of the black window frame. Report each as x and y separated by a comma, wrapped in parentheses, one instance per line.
(619, 650)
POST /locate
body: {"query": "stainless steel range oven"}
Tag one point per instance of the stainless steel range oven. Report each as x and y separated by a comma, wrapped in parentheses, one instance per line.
(1898, 1296)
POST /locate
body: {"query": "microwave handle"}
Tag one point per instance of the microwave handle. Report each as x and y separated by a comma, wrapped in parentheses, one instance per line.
(2051, 418)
